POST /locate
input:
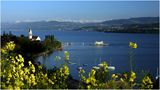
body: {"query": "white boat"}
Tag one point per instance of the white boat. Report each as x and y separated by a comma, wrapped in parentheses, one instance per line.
(100, 65)
(112, 68)
(71, 63)
(95, 67)
(99, 43)
(79, 68)
(157, 76)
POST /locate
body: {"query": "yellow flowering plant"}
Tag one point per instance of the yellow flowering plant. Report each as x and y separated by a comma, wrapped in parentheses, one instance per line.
(146, 82)
(114, 76)
(16, 75)
(133, 45)
(102, 74)
(91, 80)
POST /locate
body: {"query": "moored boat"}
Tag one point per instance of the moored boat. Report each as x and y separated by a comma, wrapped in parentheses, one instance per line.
(99, 43)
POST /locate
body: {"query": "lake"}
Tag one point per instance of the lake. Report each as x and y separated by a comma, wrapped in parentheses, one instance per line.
(83, 51)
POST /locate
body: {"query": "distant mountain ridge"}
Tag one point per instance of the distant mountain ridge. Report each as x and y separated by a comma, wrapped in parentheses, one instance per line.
(131, 25)
(41, 25)
(139, 20)
(106, 26)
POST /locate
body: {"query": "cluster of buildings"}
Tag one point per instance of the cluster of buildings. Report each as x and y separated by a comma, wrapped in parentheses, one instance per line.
(33, 38)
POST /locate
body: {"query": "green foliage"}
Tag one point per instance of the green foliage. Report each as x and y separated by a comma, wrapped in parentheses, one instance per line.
(66, 55)
(102, 72)
(50, 43)
(82, 78)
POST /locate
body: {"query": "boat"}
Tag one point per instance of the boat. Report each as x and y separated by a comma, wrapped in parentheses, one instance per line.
(99, 43)
(96, 68)
(79, 68)
(157, 76)
(67, 44)
(100, 65)
(71, 63)
(111, 68)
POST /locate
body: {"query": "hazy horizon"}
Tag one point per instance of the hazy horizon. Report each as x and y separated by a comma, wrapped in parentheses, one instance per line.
(76, 11)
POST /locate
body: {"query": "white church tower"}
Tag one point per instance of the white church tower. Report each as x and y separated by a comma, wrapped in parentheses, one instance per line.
(30, 34)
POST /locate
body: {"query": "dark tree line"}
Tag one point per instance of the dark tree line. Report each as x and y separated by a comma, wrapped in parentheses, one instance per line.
(27, 48)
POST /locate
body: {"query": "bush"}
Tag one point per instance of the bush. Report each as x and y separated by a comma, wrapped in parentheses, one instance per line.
(15, 75)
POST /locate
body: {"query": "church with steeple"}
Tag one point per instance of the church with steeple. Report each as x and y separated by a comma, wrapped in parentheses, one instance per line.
(33, 38)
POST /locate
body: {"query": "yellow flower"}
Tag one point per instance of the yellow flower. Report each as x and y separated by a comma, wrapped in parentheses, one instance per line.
(87, 81)
(121, 79)
(132, 77)
(8, 79)
(147, 82)
(10, 46)
(17, 88)
(93, 80)
(133, 74)
(21, 72)
(125, 75)
(29, 62)
(82, 71)
(26, 70)
(45, 75)
(93, 72)
(3, 51)
(10, 75)
(21, 64)
(21, 59)
(89, 86)
(39, 67)
(131, 80)
(50, 81)
(114, 76)
(10, 87)
(132, 45)
(22, 78)
(7, 82)
(26, 77)
(33, 68)
(135, 45)
(66, 70)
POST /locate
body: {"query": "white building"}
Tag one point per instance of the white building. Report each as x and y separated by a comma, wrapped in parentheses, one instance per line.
(33, 38)
(30, 34)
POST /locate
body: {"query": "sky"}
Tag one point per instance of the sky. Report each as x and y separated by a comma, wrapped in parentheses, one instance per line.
(84, 11)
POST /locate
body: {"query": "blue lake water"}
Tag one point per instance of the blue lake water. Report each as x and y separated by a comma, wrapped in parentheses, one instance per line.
(82, 50)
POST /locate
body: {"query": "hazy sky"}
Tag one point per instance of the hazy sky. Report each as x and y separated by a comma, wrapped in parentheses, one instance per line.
(13, 11)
